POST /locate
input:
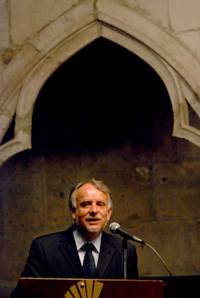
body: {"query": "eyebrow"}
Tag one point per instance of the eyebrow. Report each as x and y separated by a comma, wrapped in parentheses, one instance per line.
(89, 199)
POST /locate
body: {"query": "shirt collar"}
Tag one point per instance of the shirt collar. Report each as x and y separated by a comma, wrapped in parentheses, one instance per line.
(80, 241)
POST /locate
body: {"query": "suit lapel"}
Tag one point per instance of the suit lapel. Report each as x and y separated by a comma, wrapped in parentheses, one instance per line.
(69, 251)
(105, 257)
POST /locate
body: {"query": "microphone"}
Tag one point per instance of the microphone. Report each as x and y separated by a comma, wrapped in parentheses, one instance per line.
(115, 228)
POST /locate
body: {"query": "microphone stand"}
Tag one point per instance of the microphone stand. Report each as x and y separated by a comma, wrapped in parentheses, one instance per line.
(115, 229)
(124, 247)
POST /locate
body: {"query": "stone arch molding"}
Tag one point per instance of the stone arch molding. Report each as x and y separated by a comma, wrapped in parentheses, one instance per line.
(40, 56)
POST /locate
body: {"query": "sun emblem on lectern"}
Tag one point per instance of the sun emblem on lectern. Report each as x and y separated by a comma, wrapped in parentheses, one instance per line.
(85, 289)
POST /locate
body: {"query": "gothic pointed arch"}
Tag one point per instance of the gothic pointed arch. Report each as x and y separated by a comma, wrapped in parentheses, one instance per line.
(40, 56)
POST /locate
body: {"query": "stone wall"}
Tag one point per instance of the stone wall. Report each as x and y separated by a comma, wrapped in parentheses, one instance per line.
(21, 19)
(38, 46)
(154, 177)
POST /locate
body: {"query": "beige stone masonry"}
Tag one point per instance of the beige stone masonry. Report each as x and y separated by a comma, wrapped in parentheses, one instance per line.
(4, 25)
(189, 16)
(34, 15)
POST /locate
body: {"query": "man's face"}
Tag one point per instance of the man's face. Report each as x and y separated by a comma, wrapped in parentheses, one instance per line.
(92, 211)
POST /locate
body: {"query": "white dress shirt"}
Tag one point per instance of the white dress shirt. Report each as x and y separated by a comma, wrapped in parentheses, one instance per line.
(80, 241)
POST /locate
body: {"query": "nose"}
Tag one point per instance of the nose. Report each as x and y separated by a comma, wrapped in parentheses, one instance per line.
(93, 208)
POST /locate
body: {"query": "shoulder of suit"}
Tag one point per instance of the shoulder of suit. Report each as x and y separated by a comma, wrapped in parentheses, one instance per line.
(115, 240)
(62, 235)
(111, 238)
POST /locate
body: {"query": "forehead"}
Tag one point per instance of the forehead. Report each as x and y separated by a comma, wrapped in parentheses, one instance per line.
(90, 191)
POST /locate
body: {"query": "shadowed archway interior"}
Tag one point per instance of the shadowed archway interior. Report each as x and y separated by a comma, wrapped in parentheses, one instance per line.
(102, 97)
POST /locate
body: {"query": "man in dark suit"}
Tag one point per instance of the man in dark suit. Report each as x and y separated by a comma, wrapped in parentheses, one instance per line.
(64, 254)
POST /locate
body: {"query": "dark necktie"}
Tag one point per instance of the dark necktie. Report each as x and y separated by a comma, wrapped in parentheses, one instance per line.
(88, 262)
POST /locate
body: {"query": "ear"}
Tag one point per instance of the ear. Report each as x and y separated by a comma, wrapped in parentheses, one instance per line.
(72, 211)
(110, 210)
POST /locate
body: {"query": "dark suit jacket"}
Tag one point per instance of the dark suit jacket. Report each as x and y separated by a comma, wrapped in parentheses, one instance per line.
(55, 255)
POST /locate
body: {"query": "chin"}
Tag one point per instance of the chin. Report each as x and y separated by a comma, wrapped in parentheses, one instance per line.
(94, 230)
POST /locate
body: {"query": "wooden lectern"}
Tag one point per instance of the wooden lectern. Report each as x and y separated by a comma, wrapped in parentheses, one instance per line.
(89, 288)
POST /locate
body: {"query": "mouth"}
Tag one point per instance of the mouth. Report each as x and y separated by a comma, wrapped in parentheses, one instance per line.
(92, 220)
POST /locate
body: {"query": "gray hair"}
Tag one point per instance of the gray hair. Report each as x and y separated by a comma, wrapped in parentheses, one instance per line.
(97, 183)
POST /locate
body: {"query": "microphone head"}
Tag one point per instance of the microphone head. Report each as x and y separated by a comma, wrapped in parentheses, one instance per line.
(114, 226)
